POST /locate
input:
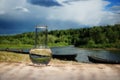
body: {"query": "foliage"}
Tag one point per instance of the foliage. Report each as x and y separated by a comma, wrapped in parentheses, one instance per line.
(94, 37)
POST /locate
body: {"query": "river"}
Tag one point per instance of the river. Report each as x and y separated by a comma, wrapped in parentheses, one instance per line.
(82, 54)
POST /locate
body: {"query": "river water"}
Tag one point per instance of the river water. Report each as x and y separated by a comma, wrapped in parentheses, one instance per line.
(82, 54)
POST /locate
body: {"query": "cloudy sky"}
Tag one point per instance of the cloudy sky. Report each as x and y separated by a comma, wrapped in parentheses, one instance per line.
(18, 16)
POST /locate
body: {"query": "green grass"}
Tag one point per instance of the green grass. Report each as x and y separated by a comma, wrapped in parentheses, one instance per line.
(12, 46)
(60, 44)
(28, 46)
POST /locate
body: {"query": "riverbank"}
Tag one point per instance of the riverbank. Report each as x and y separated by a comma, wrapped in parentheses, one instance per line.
(26, 46)
(118, 49)
(13, 57)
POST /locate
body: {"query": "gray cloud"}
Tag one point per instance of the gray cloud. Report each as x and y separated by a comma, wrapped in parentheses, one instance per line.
(2, 12)
(9, 25)
(115, 9)
(22, 9)
(45, 3)
(69, 1)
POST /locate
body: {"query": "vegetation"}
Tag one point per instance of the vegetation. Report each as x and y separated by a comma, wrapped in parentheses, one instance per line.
(24, 58)
(13, 57)
(94, 37)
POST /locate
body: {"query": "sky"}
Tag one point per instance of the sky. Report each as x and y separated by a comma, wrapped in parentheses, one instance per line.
(18, 16)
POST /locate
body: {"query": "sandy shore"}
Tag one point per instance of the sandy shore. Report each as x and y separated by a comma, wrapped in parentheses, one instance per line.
(59, 71)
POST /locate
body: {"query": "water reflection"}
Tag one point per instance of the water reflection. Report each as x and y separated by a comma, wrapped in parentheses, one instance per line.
(39, 59)
(82, 54)
(40, 56)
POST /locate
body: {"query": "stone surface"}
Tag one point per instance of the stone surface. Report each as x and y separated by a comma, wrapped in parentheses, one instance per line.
(59, 71)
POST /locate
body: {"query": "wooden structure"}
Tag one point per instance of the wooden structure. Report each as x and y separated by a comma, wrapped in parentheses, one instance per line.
(101, 60)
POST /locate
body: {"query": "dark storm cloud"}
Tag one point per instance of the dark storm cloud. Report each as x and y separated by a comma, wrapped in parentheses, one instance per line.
(45, 3)
(11, 26)
(14, 26)
(69, 1)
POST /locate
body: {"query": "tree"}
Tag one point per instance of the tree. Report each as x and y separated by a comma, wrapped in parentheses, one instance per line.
(91, 43)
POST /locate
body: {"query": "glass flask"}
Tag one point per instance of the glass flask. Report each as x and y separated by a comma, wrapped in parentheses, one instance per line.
(41, 53)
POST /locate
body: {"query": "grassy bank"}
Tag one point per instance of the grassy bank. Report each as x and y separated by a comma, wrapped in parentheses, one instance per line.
(24, 58)
(13, 57)
(28, 46)
(12, 46)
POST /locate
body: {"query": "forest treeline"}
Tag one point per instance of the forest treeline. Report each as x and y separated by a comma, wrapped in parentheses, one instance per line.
(94, 37)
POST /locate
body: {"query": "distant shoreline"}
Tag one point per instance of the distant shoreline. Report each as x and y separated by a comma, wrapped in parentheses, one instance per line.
(31, 46)
(102, 48)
